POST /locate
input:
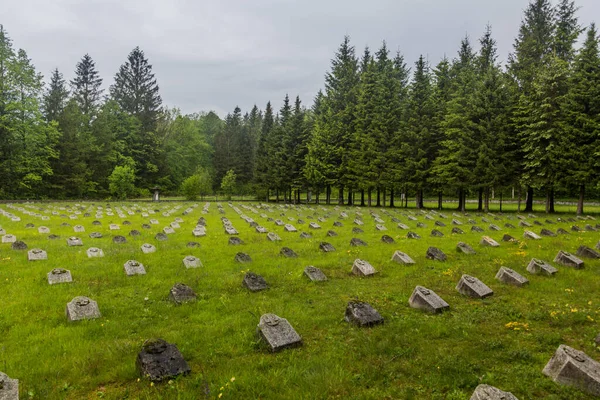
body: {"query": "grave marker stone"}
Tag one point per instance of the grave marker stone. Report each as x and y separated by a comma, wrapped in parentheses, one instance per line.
(326, 247)
(148, 248)
(18, 245)
(487, 392)
(193, 244)
(133, 267)
(42, 230)
(388, 239)
(94, 252)
(235, 241)
(568, 260)
(159, 361)
(277, 332)
(509, 226)
(473, 287)
(584, 251)
(402, 258)
(427, 300)
(465, 248)
(331, 233)
(436, 233)
(273, 237)
(242, 258)
(78, 228)
(363, 268)
(314, 225)
(59, 275)
(230, 230)
(254, 282)
(494, 227)
(547, 233)
(161, 237)
(53, 237)
(305, 235)
(119, 239)
(9, 388)
(287, 252)
(82, 307)
(457, 231)
(134, 232)
(192, 262)
(475, 228)
(536, 266)
(562, 231)
(290, 228)
(511, 277)
(9, 239)
(36, 255)
(181, 293)
(357, 230)
(314, 274)
(362, 314)
(574, 368)
(433, 253)
(357, 242)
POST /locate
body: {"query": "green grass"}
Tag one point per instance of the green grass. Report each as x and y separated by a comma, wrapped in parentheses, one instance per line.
(413, 355)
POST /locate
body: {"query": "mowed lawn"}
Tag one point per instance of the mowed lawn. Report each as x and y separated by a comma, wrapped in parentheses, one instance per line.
(504, 340)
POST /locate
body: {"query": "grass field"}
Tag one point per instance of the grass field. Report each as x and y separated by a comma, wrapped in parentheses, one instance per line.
(504, 340)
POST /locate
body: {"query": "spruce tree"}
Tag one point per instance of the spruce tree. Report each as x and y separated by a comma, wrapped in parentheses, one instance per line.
(86, 86)
(55, 98)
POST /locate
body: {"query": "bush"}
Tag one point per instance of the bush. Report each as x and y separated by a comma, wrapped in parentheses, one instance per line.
(121, 182)
(228, 183)
(198, 184)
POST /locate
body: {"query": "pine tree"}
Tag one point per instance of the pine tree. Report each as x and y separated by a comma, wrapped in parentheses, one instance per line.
(263, 151)
(583, 118)
(567, 30)
(85, 87)
(136, 90)
(55, 98)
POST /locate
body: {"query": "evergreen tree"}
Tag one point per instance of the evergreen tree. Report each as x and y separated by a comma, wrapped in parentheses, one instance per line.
(55, 98)
(85, 87)
(567, 30)
(264, 149)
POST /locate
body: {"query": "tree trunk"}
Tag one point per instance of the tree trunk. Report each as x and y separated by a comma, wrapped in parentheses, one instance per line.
(317, 196)
(369, 197)
(362, 197)
(550, 201)
(480, 203)
(464, 201)
(421, 199)
(486, 204)
(440, 200)
(378, 198)
(460, 200)
(277, 195)
(418, 199)
(384, 196)
(328, 195)
(580, 201)
(406, 199)
(391, 198)
(350, 193)
(529, 200)
(341, 195)
(500, 201)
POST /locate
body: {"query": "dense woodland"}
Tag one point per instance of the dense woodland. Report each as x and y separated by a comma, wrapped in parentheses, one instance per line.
(378, 132)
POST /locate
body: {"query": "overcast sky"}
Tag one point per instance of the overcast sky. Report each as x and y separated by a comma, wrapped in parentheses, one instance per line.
(214, 55)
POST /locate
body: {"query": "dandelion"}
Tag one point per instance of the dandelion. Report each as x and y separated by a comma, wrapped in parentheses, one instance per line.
(574, 310)
(220, 395)
(232, 379)
(151, 384)
(590, 318)
(138, 379)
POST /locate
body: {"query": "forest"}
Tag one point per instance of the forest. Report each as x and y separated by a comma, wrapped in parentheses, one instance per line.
(379, 131)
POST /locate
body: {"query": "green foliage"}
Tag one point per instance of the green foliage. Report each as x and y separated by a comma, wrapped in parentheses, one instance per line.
(228, 183)
(199, 184)
(122, 182)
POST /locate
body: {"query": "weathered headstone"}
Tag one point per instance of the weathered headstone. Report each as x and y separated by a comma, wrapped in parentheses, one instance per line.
(524, 224)
(82, 307)
(235, 241)
(53, 237)
(230, 230)
(362, 268)
(357, 230)
(74, 241)
(9, 238)
(509, 226)
(338, 224)
(457, 231)
(494, 227)
(134, 232)
(168, 230)
(277, 332)
(18, 245)
(199, 231)
(43, 229)
(574, 368)
(254, 282)
(487, 392)
(511, 277)
(9, 388)
(314, 274)
(273, 237)
(531, 235)
(475, 228)
(159, 361)
(161, 236)
(568, 260)
(380, 227)
(78, 228)
(290, 228)
(133, 267)
(326, 247)
(436, 233)
(562, 231)
(433, 253)
(547, 233)
(439, 223)
(575, 228)
(59, 275)
(421, 225)
(114, 227)
(242, 258)
(96, 223)
(192, 262)
(403, 226)
(536, 266)
(305, 235)
(357, 242)
(362, 314)
(148, 248)
(465, 248)
(94, 252)
(488, 241)
(119, 239)
(402, 258)
(584, 251)
(193, 244)
(427, 300)
(181, 293)
(36, 255)
(473, 287)
(287, 252)
(314, 225)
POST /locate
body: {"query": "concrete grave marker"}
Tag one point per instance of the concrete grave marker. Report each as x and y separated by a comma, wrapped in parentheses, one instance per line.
(59, 275)
(524, 224)
(568, 260)
(9, 239)
(78, 228)
(436, 233)
(287, 252)
(380, 227)
(242, 258)
(43, 230)
(18, 245)
(74, 241)
(154, 221)
(363, 268)
(36, 255)
(114, 227)
(562, 231)
(465, 248)
(357, 242)
(402, 258)
(134, 232)
(427, 300)
(9, 388)
(94, 252)
(230, 230)
(421, 225)
(148, 248)
(357, 230)
(161, 237)
(362, 314)
(547, 232)
(261, 229)
(273, 237)
(457, 231)
(509, 226)
(473, 287)
(488, 241)
(511, 277)
(358, 222)
(119, 239)
(181, 293)
(199, 232)
(326, 247)
(235, 241)
(403, 226)
(584, 251)
(175, 225)
(290, 228)
(494, 227)
(254, 282)
(433, 253)
(575, 228)
(168, 230)
(133, 267)
(159, 361)
(574, 368)
(192, 262)
(487, 392)
(314, 225)
(475, 228)
(314, 274)
(536, 266)
(82, 307)
(193, 244)
(531, 235)
(331, 233)
(305, 235)
(508, 238)
(387, 239)
(277, 332)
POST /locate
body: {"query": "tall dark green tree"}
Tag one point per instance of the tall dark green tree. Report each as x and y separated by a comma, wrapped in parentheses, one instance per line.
(86, 86)
(56, 96)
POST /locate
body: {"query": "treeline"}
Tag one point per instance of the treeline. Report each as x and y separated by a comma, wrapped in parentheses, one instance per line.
(378, 129)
